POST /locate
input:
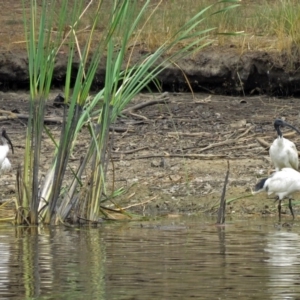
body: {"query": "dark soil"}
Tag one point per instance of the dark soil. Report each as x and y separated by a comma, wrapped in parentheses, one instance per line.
(216, 70)
(174, 154)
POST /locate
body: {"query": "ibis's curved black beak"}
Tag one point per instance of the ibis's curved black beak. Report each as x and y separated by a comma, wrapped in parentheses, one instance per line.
(4, 134)
(280, 123)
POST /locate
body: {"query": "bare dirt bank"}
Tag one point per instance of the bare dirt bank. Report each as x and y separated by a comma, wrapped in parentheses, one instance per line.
(216, 70)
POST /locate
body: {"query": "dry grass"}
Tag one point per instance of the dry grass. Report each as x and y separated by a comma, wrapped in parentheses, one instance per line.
(268, 25)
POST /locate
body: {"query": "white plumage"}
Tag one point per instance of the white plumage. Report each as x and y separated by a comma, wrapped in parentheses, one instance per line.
(282, 183)
(4, 149)
(5, 166)
(283, 152)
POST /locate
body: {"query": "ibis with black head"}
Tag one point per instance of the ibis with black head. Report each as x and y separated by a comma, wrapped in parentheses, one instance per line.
(5, 141)
(283, 152)
(283, 183)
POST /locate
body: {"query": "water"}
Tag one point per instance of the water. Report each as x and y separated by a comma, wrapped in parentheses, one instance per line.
(170, 259)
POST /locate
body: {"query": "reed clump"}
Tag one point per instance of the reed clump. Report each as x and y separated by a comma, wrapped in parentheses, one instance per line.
(57, 26)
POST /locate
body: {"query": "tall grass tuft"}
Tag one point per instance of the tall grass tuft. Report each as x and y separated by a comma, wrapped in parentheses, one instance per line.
(83, 200)
(284, 23)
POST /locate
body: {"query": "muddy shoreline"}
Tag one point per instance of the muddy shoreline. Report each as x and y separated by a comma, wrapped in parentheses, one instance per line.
(214, 70)
(171, 158)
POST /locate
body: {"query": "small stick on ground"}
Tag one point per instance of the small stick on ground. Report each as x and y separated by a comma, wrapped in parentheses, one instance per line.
(163, 98)
(249, 146)
(141, 203)
(13, 116)
(226, 142)
(130, 151)
(222, 208)
(120, 129)
(200, 156)
(138, 116)
(263, 143)
(190, 134)
(245, 132)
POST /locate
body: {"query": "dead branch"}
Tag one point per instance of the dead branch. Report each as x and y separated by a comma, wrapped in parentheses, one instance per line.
(130, 151)
(141, 203)
(53, 120)
(201, 156)
(120, 129)
(263, 143)
(289, 134)
(248, 138)
(197, 134)
(245, 132)
(12, 116)
(258, 149)
(242, 147)
(175, 119)
(137, 115)
(164, 94)
(163, 98)
(227, 142)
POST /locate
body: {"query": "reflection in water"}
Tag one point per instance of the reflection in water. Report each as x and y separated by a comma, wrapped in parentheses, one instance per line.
(197, 261)
(284, 260)
(188, 258)
(4, 264)
(222, 241)
(59, 263)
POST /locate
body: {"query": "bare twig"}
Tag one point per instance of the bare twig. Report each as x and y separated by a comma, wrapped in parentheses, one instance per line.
(162, 99)
(201, 156)
(141, 203)
(289, 134)
(130, 151)
(197, 134)
(137, 116)
(120, 129)
(53, 120)
(12, 116)
(242, 147)
(227, 142)
(245, 132)
(263, 143)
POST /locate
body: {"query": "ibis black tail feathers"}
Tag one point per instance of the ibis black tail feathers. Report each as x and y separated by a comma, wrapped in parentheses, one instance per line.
(260, 186)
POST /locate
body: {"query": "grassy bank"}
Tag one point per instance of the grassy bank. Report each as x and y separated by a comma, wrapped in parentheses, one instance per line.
(268, 25)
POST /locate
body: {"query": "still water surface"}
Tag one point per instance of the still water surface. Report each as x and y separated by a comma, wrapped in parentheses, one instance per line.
(168, 259)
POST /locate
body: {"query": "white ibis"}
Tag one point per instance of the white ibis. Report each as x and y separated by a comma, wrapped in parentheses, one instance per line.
(4, 149)
(283, 183)
(283, 152)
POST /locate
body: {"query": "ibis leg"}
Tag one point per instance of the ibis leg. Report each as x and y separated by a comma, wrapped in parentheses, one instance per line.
(279, 210)
(291, 208)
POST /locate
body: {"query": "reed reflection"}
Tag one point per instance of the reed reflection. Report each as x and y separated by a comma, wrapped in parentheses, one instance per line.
(49, 262)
